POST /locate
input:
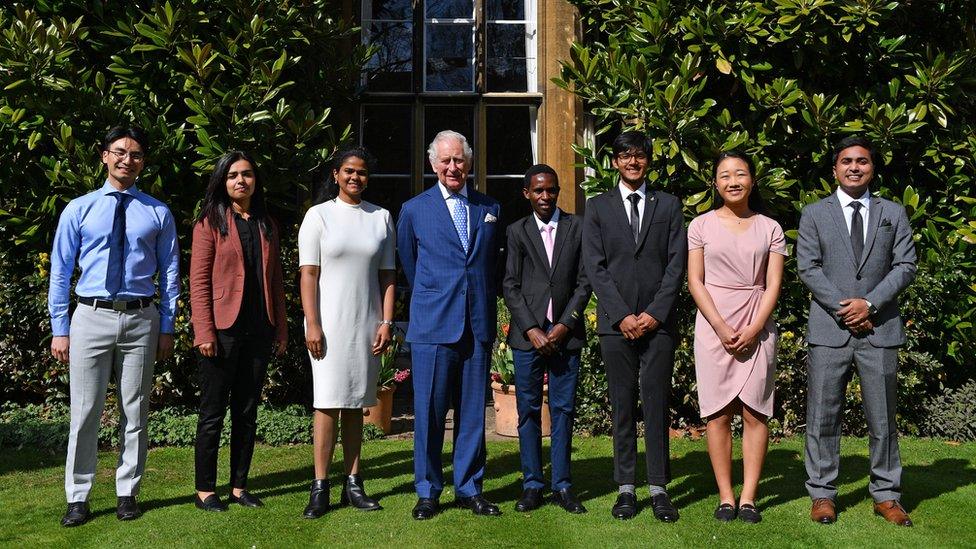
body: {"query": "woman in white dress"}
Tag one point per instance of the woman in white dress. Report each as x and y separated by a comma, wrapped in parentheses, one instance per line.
(346, 249)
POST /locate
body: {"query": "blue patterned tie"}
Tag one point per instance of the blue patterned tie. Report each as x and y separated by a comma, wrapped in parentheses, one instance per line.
(116, 254)
(459, 213)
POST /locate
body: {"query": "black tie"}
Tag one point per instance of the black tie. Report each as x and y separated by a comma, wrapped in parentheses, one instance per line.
(857, 232)
(634, 214)
(116, 254)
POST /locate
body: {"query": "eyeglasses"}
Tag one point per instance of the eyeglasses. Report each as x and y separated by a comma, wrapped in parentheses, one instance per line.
(134, 156)
(625, 156)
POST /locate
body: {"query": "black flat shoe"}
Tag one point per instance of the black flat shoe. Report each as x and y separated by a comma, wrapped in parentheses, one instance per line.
(626, 506)
(568, 501)
(318, 499)
(725, 512)
(212, 503)
(530, 501)
(247, 499)
(664, 510)
(127, 508)
(354, 494)
(749, 513)
(425, 509)
(479, 506)
(76, 515)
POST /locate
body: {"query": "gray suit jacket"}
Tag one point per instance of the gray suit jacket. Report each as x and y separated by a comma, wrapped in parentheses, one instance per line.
(826, 263)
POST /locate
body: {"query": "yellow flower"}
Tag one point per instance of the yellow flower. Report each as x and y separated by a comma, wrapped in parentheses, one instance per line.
(788, 335)
(591, 317)
(501, 346)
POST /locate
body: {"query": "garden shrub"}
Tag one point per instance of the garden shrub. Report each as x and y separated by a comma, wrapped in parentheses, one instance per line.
(952, 415)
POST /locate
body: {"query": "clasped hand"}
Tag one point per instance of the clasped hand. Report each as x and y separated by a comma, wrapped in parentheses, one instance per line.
(547, 343)
(635, 326)
(856, 315)
(739, 342)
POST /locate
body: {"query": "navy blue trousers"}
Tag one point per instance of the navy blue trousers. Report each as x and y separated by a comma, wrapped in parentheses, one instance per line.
(447, 376)
(563, 369)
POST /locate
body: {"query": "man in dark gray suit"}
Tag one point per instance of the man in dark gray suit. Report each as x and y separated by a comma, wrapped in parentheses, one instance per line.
(855, 253)
(635, 250)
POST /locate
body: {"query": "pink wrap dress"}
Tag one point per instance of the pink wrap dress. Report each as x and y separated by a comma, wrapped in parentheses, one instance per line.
(735, 277)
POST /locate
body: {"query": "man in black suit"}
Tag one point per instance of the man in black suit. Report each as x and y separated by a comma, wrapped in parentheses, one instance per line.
(635, 250)
(546, 291)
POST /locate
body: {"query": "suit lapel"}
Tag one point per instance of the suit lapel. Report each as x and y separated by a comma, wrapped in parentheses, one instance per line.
(617, 205)
(874, 220)
(837, 214)
(476, 216)
(440, 209)
(650, 204)
(233, 236)
(565, 225)
(535, 239)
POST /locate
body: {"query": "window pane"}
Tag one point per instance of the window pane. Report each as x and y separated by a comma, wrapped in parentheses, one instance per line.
(390, 68)
(509, 140)
(508, 192)
(449, 57)
(506, 9)
(386, 133)
(389, 192)
(391, 9)
(450, 9)
(448, 117)
(506, 58)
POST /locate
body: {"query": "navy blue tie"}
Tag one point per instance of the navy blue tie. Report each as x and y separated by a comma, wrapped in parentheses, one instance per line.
(116, 254)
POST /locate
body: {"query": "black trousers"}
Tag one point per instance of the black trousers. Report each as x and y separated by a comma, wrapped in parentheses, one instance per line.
(641, 367)
(236, 375)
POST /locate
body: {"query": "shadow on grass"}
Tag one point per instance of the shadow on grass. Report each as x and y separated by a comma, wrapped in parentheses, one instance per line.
(25, 460)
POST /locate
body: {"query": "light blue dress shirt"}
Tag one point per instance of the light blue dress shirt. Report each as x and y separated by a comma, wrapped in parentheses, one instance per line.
(84, 238)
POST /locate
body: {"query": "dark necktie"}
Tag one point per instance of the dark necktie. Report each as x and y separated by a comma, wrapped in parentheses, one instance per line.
(116, 254)
(857, 231)
(634, 214)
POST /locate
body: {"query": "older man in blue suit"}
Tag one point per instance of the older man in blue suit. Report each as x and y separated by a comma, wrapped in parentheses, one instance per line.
(447, 245)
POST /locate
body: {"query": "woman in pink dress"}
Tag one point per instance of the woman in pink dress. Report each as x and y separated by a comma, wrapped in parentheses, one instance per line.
(735, 268)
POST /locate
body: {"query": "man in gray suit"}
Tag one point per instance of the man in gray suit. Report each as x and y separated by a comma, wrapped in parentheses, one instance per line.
(855, 253)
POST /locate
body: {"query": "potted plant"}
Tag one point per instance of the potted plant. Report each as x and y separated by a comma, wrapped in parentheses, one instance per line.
(381, 414)
(503, 391)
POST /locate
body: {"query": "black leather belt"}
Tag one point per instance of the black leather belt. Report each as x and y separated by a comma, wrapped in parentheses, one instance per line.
(117, 305)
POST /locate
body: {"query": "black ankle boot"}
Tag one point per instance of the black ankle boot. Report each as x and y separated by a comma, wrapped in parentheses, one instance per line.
(318, 499)
(354, 494)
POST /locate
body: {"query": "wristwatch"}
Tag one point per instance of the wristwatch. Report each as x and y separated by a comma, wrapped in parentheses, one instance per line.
(871, 308)
(387, 322)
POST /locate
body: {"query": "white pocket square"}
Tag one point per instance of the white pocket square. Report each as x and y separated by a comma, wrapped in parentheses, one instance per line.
(490, 218)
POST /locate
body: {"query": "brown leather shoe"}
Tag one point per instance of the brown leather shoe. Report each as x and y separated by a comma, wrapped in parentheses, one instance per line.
(823, 511)
(892, 511)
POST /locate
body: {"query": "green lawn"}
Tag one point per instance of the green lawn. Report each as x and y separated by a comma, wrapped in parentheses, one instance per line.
(940, 494)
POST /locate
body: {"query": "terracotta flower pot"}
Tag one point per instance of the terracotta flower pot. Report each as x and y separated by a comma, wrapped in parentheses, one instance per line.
(506, 412)
(381, 414)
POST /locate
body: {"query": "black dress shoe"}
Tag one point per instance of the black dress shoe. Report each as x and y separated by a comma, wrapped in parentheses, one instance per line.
(247, 499)
(749, 513)
(664, 510)
(211, 503)
(725, 512)
(425, 509)
(318, 499)
(354, 494)
(626, 506)
(127, 508)
(530, 501)
(566, 499)
(479, 506)
(76, 515)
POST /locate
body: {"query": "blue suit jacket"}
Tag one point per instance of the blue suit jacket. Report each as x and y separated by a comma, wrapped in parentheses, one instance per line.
(445, 283)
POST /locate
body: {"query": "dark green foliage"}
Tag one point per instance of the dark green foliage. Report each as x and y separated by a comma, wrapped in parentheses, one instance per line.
(953, 414)
(288, 425)
(783, 80)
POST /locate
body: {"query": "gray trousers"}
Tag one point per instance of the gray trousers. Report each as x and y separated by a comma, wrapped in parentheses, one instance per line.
(828, 372)
(103, 340)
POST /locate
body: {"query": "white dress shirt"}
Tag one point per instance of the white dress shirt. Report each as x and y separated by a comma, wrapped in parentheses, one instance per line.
(446, 193)
(554, 221)
(625, 193)
(845, 201)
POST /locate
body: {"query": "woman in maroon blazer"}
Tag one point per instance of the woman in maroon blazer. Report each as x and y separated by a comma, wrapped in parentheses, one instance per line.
(238, 306)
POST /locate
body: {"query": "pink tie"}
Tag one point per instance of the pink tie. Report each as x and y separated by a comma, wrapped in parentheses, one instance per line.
(547, 240)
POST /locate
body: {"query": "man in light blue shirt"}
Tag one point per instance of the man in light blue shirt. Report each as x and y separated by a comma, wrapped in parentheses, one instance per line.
(120, 238)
